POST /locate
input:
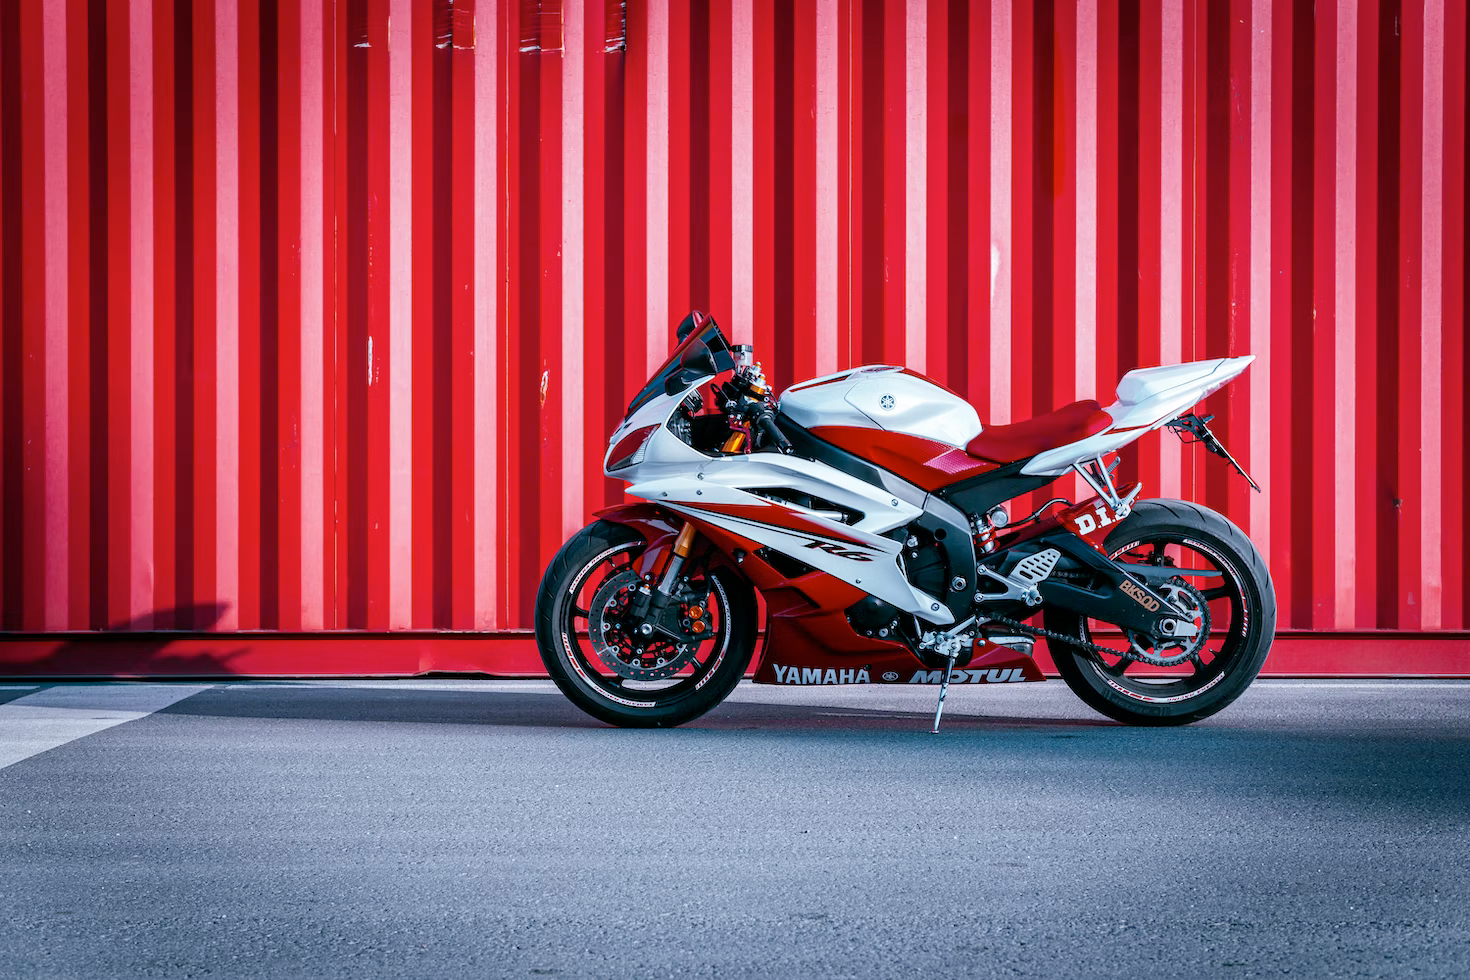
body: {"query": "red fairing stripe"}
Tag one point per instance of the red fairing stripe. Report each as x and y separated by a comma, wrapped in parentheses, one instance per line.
(925, 463)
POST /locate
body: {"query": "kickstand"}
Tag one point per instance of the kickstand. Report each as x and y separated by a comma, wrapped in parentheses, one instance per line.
(943, 690)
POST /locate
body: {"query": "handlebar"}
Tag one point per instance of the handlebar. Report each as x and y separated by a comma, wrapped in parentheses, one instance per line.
(765, 421)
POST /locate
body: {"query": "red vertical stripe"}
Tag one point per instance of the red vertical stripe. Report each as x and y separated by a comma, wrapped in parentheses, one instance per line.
(940, 96)
(797, 231)
(890, 65)
(982, 260)
(118, 364)
(282, 584)
(570, 378)
(827, 194)
(1023, 281)
(1182, 172)
(400, 303)
(1416, 337)
(762, 202)
(912, 174)
(488, 407)
(1005, 255)
(57, 318)
(1377, 215)
(228, 345)
(1261, 281)
(246, 163)
(165, 322)
(31, 548)
(1454, 368)
(423, 269)
(314, 265)
(461, 369)
(742, 170)
(1325, 310)
(1430, 84)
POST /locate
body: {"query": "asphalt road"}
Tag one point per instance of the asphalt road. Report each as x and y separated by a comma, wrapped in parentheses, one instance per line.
(488, 829)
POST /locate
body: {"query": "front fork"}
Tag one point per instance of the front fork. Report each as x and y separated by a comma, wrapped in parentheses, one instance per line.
(650, 604)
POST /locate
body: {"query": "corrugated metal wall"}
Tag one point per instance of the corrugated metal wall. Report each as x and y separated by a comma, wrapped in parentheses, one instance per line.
(316, 314)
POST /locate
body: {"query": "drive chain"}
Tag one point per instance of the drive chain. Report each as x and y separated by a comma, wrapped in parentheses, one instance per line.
(1047, 634)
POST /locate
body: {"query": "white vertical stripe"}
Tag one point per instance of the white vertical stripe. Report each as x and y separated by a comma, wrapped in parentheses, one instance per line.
(742, 170)
(659, 329)
(1171, 218)
(1345, 281)
(313, 233)
(227, 313)
(1431, 394)
(400, 315)
(58, 432)
(140, 387)
(1086, 313)
(573, 106)
(827, 186)
(916, 187)
(487, 317)
(1260, 282)
(1001, 56)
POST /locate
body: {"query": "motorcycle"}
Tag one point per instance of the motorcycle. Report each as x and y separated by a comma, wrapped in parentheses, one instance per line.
(868, 508)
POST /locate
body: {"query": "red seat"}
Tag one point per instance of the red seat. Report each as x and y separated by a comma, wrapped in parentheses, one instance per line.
(1008, 443)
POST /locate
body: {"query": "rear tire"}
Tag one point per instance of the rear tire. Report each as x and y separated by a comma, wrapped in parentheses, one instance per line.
(1241, 603)
(594, 555)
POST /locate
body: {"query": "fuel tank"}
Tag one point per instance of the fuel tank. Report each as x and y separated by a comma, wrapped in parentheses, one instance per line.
(883, 397)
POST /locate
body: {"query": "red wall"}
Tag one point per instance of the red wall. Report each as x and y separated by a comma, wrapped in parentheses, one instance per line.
(316, 314)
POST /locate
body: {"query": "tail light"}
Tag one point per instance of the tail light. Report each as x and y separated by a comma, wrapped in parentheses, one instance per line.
(629, 450)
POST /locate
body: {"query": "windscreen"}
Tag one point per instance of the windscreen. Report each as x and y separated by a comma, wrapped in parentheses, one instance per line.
(702, 354)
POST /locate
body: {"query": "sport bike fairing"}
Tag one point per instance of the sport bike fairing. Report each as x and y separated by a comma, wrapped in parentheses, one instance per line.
(726, 491)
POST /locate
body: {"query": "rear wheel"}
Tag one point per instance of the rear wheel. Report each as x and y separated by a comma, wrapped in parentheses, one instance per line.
(1221, 586)
(603, 663)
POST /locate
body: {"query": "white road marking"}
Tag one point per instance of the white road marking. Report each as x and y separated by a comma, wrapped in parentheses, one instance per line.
(52, 717)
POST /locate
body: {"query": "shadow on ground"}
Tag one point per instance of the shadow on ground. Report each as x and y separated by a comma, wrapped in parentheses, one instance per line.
(548, 709)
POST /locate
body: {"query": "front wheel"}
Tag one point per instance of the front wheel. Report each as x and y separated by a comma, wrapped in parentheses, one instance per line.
(602, 662)
(1221, 585)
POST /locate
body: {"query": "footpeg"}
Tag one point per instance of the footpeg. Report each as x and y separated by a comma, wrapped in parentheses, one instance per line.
(1018, 642)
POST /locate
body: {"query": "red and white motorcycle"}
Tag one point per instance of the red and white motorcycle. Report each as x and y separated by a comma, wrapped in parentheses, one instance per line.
(868, 509)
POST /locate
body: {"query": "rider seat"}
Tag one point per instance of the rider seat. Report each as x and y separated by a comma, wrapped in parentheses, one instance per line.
(1008, 443)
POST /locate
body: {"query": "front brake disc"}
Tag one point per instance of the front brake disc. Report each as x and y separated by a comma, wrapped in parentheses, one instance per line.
(617, 644)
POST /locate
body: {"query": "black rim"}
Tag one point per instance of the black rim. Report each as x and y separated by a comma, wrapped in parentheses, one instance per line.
(1205, 572)
(703, 658)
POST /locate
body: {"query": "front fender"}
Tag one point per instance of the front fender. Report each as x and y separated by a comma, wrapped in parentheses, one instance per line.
(653, 523)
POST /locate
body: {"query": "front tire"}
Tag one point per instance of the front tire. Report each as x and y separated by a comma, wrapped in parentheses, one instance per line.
(1237, 611)
(587, 571)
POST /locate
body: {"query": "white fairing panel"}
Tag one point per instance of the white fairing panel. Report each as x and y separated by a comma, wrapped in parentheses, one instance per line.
(864, 557)
(1148, 398)
(883, 397)
(670, 473)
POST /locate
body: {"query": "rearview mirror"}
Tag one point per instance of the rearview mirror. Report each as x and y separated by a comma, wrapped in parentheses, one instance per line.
(689, 324)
